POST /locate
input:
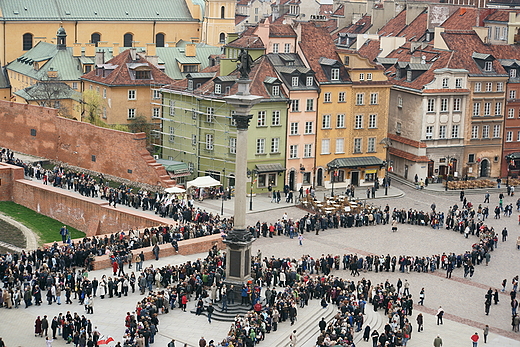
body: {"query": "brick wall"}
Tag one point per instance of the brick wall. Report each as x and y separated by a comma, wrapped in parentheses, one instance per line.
(39, 131)
(8, 175)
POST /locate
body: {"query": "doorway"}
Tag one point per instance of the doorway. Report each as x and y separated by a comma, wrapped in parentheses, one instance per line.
(319, 178)
(484, 168)
(292, 175)
(430, 168)
(354, 178)
(406, 172)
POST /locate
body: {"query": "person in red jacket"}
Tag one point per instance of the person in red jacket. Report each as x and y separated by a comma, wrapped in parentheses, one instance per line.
(475, 338)
(184, 301)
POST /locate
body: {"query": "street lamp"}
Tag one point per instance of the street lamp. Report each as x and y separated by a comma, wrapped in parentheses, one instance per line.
(334, 167)
(386, 142)
(251, 174)
(223, 191)
(449, 158)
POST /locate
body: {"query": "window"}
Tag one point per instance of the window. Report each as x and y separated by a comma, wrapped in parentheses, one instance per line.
(496, 131)
(497, 33)
(287, 48)
(27, 41)
(489, 86)
(340, 121)
(159, 40)
(156, 113)
(218, 88)
(471, 158)
(293, 151)
(326, 97)
(445, 82)
(193, 140)
(498, 109)
(131, 113)
(372, 121)
(190, 84)
(295, 105)
(509, 136)
(511, 113)
(512, 73)
(474, 132)
(487, 109)
(488, 66)
(127, 40)
(172, 107)
(310, 105)
(476, 109)
(275, 145)
(429, 132)
(360, 98)
(456, 104)
(307, 150)
(340, 145)
(325, 124)
(325, 146)
(478, 87)
(260, 146)
(309, 128)
(512, 94)
(444, 105)
(454, 131)
(132, 94)
(171, 137)
(358, 122)
(275, 120)
(276, 47)
(458, 82)
(357, 145)
(399, 102)
(369, 77)
(294, 128)
(275, 90)
(485, 131)
(334, 74)
(371, 145)
(431, 105)
(294, 81)
(209, 142)
(309, 81)
(262, 121)
(442, 131)
(341, 97)
(233, 145)
(156, 94)
(518, 136)
(504, 33)
(398, 128)
(500, 86)
(374, 98)
(361, 76)
(222, 12)
(210, 114)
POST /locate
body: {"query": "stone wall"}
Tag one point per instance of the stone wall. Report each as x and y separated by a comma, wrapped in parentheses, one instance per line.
(8, 175)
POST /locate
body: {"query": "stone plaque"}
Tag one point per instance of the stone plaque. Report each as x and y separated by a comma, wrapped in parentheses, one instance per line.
(234, 263)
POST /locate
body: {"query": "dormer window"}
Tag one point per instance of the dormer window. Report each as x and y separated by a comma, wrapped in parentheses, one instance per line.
(488, 66)
(142, 75)
(445, 82)
(334, 74)
(190, 84)
(409, 75)
(309, 81)
(512, 73)
(294, 82)
(218, 88)
(276, 90)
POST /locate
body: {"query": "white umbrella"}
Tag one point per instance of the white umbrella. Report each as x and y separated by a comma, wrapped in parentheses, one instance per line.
(203, 182)
(175, 190)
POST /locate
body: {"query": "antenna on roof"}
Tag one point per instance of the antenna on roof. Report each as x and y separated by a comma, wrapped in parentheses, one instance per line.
(423, 59)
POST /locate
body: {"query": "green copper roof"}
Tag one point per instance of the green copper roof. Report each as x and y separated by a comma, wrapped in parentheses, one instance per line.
(72, 10)
(171, 55)
(49, 91)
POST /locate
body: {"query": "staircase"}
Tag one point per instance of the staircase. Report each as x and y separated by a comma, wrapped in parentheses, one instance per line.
(229, 316)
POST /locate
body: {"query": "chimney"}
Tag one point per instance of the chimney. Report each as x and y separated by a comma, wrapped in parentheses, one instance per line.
(100, 57)
(90, 49)
(76, 49)
(191, 50)
(115, 49)
(133, 54)
(150, 50)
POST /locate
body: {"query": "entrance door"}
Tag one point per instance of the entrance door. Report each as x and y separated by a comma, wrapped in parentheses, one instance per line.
(292, 179)
(484, 168)
(354, 178)
(430, 168)
(319, 178)
(406, 172)
(443, 170)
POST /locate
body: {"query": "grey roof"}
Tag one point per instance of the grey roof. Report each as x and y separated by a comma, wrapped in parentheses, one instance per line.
(48, 91)
(271, 80)
(482, 56)
(169, 56)
(4, 80)
(286, 57)
(274, 167)
(382, 60)
(327, 61)
(95, 10)
(419, 66)
(355, 162)
(177, 167)
(201, 75)
(226, 78)
(509, 62)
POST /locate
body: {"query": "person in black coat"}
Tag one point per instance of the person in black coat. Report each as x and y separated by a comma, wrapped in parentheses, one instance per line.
(366, 333)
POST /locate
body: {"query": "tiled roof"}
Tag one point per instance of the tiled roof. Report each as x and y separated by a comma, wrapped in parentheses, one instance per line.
(416, 29)
(121, 75)
(239, 18)
(283, 30)
(409, 156)
(498, 16)
(506, 52)
(370, 49)
(316, 43)
(95, 10)
(340, 11)
(326, 10)
(244, 41)
(394, 25)
(466, 18)
(356, 162)
(406, 141)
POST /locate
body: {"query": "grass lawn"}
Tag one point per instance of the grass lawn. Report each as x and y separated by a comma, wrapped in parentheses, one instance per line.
(48, 229)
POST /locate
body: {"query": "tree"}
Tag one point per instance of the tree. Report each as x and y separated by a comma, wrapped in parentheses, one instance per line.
(92, 106)
(140, 124)
(49, 93)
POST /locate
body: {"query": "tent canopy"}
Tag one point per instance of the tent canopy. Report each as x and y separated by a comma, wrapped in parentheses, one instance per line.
(203, 182)
(175, 190)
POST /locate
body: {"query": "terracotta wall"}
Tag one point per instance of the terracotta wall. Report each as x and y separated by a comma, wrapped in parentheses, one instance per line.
(8, 175)
(39, 131)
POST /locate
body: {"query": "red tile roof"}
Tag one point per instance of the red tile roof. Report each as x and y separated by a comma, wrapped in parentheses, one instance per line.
(239, 18)
(370, 49)
(326, 10)
(250, 41)
(281, 30)
(409, 156)
(121, 74)
(394, 25)
(406, 141)
(466, 18)
(416, 29)
(340, 11)
(499, 16)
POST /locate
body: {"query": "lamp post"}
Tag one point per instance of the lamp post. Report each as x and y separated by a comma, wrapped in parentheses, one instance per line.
(223, 192)
(386, 142)
(251, 174)
(448, 161)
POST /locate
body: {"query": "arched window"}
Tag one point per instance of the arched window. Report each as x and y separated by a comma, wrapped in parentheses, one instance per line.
(222, 38)
(27, 41)
(159, 40)
(95, 38)
(223, 12)
(127, 40)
